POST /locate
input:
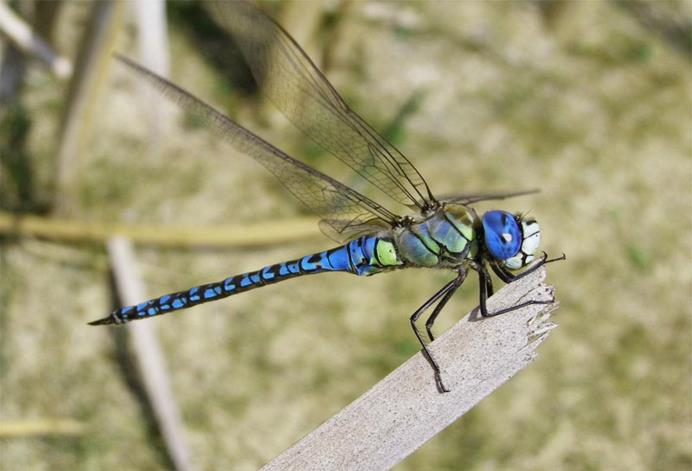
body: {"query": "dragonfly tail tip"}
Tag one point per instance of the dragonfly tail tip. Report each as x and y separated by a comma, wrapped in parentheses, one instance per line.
(105, 321)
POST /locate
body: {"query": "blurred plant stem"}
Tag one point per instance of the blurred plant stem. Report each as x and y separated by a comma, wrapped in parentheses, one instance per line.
(247, 235)
(15, 168)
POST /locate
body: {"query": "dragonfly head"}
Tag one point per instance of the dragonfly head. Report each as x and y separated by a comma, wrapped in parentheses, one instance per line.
(511, 239)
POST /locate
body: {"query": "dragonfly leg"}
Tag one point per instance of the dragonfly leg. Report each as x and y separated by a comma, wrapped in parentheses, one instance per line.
(441, 294)
(484, 276)
(489, 285)
(508, 277)
(448, 295)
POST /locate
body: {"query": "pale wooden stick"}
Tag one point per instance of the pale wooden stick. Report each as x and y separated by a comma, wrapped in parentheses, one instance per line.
(149, 359)
(40, 427)
(236, 235)
(30, 43)
(404, 410)
(85, 85)
(151, 20)
(155, 55)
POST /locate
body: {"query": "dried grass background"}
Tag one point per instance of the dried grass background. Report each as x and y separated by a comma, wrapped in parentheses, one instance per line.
(588, 104)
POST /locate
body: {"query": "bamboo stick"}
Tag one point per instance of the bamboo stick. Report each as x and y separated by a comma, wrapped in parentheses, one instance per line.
(21, 34)
(150, 361)
(153, 42)
(40, 427)
(154, 54)
(237, 235)
(85, 85)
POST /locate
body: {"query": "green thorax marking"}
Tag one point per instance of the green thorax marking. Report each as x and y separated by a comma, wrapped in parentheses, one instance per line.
(465, 220)
(385, 254)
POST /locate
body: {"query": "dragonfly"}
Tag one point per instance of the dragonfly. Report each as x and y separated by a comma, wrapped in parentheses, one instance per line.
(437, 233)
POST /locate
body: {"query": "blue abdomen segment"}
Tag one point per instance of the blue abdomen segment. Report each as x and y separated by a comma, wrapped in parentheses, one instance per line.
(357, 256)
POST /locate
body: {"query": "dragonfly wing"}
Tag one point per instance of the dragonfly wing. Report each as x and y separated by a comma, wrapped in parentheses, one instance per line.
(288, 77)
(470, 198)
(341, 230)
(322, 194)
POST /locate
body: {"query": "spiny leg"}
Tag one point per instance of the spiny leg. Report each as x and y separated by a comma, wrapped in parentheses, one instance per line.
(489, 290)
(483, 276)
(416, 315)
(508, 277)
(431, 320)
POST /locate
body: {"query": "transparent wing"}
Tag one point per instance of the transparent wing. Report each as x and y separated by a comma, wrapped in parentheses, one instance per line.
(288, 77)
(470, 198)
(358, 225)
(329, 198)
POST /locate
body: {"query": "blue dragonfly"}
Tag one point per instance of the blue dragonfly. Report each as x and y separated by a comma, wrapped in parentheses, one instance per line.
(439, 233)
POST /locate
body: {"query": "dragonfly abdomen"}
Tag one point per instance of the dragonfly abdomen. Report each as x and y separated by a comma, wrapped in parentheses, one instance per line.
(365, 255)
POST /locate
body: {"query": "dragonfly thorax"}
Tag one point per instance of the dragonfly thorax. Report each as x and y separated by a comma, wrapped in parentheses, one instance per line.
(444, 239)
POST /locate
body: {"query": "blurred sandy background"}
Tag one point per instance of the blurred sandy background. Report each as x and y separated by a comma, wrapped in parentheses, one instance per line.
(586, 100)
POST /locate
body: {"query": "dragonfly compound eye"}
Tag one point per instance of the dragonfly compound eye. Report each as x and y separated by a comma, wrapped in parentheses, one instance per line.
(502, 234)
